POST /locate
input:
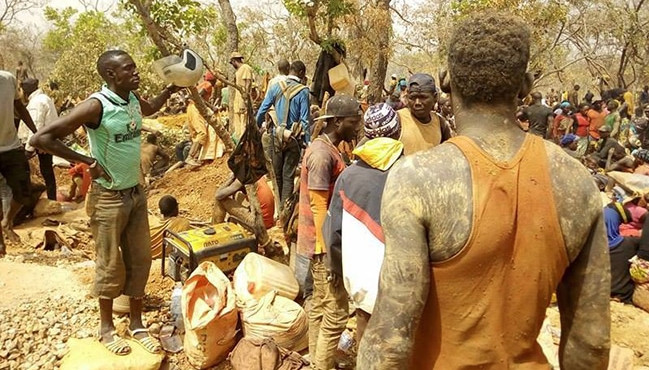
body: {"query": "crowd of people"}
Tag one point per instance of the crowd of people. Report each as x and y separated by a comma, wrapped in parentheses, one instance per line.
(445, 214)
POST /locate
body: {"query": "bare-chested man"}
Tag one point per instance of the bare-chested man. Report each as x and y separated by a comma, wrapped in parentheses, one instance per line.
(482, 230)
(149, 153)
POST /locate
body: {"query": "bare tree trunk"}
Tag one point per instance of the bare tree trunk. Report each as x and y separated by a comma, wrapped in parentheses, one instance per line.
(230, 24)
(229, 21)
(380, 64)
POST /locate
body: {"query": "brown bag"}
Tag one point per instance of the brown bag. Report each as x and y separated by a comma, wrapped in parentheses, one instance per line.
(264, 354)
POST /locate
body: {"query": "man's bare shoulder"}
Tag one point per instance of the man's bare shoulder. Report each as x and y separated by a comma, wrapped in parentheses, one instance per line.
(435, 186)
(431, 167)
(576, 197)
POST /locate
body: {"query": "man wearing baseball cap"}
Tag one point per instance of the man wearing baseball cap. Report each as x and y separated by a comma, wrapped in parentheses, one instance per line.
(352, 231)
(244, 78)
(321, 166)
(421, 127)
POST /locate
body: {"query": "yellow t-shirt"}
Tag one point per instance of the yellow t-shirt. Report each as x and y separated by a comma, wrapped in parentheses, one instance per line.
(628, 98)
(417, 136)
(243, 73)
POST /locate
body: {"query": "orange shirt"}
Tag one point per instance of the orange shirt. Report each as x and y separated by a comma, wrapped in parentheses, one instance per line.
(321, 166)
(207, 88)
(267, 202)
(596, 121)
(486, 304)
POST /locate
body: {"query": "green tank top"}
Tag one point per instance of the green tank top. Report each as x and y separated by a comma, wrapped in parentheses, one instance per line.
(115, 144)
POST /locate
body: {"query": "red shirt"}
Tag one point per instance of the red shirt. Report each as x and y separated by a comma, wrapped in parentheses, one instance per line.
(321, 166)
(583, 125)
(82, 170)
(207, 88)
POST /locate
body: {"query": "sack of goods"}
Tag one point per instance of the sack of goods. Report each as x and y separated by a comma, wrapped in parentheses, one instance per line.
(276, 317)
(264, 354)
(210, 316)
(640, 275)
(257, 275)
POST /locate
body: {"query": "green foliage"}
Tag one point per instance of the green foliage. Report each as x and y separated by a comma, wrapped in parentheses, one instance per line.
(77, 40)
(328, 8)
(181, 17)
(296, 7)
(329, 43)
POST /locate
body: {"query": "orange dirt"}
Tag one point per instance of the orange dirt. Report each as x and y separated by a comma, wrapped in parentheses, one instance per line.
(194, 189)
(175, 121)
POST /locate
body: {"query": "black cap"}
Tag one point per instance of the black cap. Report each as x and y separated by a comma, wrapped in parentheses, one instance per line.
(422, 82)
(341, 106)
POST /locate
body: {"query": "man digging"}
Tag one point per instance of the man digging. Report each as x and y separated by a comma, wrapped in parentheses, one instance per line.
(116, 205)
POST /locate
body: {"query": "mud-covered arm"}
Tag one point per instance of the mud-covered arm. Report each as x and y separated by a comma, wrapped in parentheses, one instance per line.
(616, 126)
(583, 296)
(231, 187)
(405, 278)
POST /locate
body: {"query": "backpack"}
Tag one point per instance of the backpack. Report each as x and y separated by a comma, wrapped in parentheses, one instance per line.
(263, 354)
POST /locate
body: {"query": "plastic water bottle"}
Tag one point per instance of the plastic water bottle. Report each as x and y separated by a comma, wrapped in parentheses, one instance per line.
(176, 307)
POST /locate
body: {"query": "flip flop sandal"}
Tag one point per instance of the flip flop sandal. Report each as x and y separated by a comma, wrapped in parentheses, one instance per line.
(149, 343)
(118, 346)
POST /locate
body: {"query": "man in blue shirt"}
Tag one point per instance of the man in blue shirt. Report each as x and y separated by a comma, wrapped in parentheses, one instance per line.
(291, 101)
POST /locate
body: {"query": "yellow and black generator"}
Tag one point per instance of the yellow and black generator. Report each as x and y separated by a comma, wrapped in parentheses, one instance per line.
(225, 244)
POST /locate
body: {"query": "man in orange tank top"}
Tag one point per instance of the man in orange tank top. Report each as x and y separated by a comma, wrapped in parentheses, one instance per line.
(481, 230)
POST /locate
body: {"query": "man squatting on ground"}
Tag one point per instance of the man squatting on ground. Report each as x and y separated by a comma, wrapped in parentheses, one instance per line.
(469, 288)
(117, 205)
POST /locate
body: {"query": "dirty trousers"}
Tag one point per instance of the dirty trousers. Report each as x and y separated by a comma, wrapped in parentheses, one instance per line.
(328, 315)
(120, 227)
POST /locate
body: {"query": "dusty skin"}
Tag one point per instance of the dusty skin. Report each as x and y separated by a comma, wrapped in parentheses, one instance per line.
(420, 228)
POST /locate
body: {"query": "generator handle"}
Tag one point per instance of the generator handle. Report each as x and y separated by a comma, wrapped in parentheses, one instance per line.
(192, 258)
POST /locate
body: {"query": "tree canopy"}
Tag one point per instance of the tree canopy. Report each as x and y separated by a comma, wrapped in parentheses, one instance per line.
(381, 36)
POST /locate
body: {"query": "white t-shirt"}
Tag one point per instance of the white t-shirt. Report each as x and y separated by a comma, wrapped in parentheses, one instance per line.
(41, 108)
(8, 93)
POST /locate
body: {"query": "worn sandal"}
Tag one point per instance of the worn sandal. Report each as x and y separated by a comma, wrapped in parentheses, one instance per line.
(118, 346)
(149, 343)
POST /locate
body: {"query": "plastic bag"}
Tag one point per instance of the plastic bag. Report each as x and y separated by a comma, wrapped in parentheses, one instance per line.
(210, 316)
(639, 270)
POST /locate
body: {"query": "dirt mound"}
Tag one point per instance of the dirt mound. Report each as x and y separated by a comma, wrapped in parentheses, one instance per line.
(174, 121)
(194, 189)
